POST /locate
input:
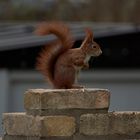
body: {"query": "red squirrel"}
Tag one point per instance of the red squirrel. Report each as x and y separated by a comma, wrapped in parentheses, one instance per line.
(59, 61)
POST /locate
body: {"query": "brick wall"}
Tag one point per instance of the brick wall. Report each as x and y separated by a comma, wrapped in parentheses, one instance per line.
(74, 114)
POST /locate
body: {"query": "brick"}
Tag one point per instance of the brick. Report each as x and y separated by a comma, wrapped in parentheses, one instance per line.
(58, 126)
(113, 123)
(94, 124)
(21, 124)
(41, 99)
(125, 123)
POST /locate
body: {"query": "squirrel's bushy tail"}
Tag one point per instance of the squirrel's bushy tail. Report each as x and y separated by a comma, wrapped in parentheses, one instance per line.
(48, 56)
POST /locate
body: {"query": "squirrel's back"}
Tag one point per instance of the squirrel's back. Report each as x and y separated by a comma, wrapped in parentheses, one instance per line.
(49, 55)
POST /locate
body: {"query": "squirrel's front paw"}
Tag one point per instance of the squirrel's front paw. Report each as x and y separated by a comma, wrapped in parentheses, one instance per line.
(86, 66)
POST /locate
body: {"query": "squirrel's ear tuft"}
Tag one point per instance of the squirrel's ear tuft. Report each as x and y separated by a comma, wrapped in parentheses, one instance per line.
(88, 39)
(89, 33)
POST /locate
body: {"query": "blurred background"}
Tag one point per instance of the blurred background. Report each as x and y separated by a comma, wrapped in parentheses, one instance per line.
(116, 27)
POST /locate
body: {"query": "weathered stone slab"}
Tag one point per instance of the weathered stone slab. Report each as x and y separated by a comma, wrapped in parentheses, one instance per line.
(21, 124)
(41, 100)
(115, 123)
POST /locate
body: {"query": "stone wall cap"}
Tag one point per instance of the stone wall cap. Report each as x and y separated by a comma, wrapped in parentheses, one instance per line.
(66, 90)
(67, 99)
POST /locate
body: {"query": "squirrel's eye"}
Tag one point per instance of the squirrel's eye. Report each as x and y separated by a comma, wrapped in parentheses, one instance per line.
(93, 46)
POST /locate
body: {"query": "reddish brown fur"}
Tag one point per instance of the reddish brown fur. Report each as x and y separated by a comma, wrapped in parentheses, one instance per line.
(58, 61)
(46, 60)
